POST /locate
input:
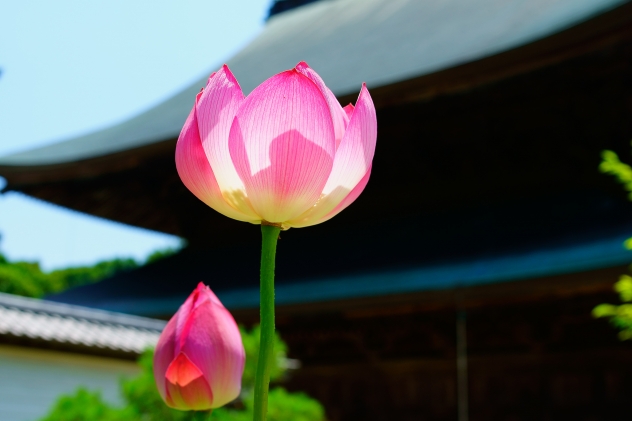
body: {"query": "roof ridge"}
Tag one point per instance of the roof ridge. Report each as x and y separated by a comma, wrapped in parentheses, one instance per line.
(81, 313)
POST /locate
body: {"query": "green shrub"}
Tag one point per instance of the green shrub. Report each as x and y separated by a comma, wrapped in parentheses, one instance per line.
(22, 278)
(27, 278)
(619, 315)
(142, 401)
(285, 406)
(75, 276)
(83, 405)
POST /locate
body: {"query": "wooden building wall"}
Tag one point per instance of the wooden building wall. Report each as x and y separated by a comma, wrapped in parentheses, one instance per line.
(32, 379)
(535, 353)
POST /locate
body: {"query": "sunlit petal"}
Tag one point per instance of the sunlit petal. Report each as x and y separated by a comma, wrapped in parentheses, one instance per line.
(216, 109)
(338, 116)
(186, 385)
(196, 174)
(352, 162)
(349, 199)
(282, 144)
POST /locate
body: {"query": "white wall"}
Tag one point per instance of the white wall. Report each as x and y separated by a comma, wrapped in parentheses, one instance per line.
(32, 379)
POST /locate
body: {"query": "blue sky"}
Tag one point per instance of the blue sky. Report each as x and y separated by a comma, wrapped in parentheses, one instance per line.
(74, 66)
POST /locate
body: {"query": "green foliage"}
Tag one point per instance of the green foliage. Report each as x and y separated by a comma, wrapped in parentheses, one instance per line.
(251, 345)
(83, 405)
(27, 278)
(611, 164)
(142, 401)
(283, 406)
(619, 315)
(624, 288)
(22, 278)
(160, 254)
(75, 276)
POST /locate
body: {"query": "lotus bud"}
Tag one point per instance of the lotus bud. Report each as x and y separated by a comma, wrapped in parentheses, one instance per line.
(199, 359)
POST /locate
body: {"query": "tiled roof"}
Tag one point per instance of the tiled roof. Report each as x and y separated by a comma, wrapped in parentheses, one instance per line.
(347, 42)
(63, 326)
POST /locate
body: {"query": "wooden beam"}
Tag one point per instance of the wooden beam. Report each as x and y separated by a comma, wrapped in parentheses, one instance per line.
(525, 291)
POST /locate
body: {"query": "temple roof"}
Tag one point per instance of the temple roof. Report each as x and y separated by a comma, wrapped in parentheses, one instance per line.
(491, 123)
(348, 42)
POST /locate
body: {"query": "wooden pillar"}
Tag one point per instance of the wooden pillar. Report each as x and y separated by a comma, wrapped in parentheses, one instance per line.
(461, 365)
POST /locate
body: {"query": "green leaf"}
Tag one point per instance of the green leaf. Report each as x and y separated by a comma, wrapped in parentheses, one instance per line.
(604, 310)
(624, 288)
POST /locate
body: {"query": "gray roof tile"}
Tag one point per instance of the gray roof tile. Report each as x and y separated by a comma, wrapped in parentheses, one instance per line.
(46, 321)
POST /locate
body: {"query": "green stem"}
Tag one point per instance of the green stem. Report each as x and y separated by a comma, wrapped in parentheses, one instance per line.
(270, 235)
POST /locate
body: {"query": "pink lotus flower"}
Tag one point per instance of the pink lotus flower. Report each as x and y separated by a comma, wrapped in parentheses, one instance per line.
(288, 154)
(200, 357)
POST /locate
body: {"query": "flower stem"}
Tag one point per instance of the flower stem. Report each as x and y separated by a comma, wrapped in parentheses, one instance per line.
(270, 234)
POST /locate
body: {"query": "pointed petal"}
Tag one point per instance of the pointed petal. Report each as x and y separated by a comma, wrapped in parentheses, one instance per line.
(208, 294)
(216, 110)
(184, 316)
(164, 355)
(348, 109)
(338, 116)
(282, 144)
(182, 371)
(213, 343)
(352, 162)
(187, 387)
(195, 171)
(349, 199)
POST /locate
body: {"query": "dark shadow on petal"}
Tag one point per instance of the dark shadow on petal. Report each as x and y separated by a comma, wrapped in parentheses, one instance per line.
(297, 172)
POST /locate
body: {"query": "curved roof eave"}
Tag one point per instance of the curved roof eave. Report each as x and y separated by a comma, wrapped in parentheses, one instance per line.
(348, 42)
(585, 254)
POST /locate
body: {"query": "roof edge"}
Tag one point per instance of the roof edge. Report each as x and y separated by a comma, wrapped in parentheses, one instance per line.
(593, 255)
(79, 312)
(605, 29)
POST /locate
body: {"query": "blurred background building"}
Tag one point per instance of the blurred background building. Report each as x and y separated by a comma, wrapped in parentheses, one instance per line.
(47, 349)
(485, 235)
